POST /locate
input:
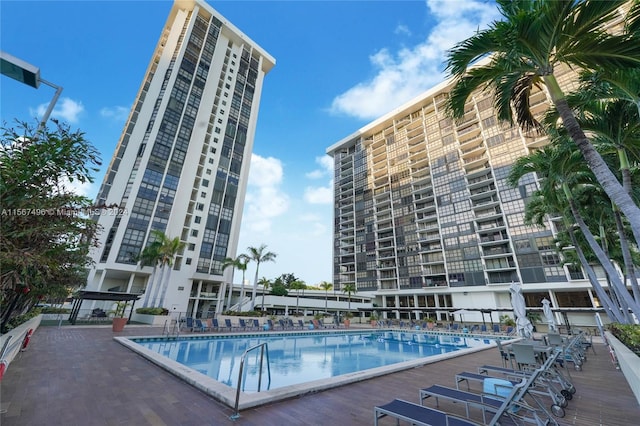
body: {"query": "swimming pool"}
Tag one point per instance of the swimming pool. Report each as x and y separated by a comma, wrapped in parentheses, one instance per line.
(299, 362)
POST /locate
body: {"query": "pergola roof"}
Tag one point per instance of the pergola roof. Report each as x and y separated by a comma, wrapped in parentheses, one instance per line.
(100, 295)
(106, 295)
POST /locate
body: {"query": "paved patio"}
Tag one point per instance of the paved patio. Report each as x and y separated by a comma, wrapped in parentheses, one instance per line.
(81, 376)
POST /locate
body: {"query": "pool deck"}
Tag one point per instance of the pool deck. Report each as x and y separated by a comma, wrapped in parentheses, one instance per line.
(81, 376)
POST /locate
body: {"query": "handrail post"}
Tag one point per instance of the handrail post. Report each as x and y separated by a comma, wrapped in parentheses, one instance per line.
(262, 347)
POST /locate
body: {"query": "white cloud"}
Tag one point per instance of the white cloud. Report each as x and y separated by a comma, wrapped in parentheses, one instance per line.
(117, 113)
(405, 74)
(66, 109)
(319, 195)
(326, 168)
(402, 29)
(264, 200)
(85, 189)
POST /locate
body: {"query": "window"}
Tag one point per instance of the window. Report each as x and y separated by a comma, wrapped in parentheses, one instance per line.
(200, 206)
(191, 247)
(194, 232)
(197, 219)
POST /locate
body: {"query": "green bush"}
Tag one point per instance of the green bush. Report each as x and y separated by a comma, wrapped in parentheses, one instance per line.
(52, 310)
(243, 313)
(20, 319)
(628, 334)
(152, 311)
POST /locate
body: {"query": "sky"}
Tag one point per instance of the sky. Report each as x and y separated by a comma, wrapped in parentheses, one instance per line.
(339, 66)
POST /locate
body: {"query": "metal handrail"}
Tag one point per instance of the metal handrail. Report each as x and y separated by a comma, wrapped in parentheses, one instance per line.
(262, 347)
(176, 326)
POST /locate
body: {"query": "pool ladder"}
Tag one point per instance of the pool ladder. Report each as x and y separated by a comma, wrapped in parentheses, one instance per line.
(263, 348)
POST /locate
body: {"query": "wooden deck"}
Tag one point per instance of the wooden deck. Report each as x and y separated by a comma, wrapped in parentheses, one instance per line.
(80, 376)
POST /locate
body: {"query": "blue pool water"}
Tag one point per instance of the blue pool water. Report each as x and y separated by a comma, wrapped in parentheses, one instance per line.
(303, 357)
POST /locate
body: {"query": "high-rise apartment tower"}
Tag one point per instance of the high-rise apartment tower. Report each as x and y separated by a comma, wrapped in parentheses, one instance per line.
(182, 162)
(424, 218)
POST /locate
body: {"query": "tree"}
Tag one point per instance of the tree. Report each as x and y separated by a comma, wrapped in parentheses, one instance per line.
(297, 286)
(259, 255)
(45, 232)
(239, 263)
(561, 172)
(150, 256)
(265, 283)
(167, 250)
(525, 49)
(349, 289)
(326, 286)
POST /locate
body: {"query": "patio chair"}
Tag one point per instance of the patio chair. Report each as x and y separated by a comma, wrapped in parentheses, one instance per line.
(283, 325)
(301, 324)
(256, 324)
(483, 328)
(507, 357)
(188, 323)
(271, 324)
(496, 328)
(228, 324)
(199, 325)
(215, 324)
(243, 324)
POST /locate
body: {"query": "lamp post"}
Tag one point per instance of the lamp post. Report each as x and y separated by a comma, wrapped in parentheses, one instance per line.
(29, 75)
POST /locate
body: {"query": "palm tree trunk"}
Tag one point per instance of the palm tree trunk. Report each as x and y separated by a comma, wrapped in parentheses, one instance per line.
(612, 311)
(165, 287)
(594, 160)
(617, 284)
(147, 292)
(626, 255)
(157, 286)
(255, 287)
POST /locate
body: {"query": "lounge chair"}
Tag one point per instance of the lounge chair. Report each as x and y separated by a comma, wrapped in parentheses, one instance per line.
(418, 415)
(301, 324)
(496, 328)
(243, 324)
(198, 325)
(483, 402)
(483, 328)
(467, 376)
(256, 324)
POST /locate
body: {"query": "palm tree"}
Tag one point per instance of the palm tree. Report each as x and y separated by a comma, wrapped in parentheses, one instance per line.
(326, 286)
(238, 263)
(150, 256)
(167, 249)
(526, 47)
(297, 285)
(349, 289)
(562, 172)
(265, 283)
(259, 255)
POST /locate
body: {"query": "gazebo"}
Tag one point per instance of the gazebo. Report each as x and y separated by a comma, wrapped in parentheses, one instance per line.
(100, 295)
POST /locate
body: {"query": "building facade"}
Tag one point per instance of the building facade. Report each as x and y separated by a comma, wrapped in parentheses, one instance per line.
(425, 220)
(182, 162)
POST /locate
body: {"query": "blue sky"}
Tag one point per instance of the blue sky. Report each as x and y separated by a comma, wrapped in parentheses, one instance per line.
(339, 66)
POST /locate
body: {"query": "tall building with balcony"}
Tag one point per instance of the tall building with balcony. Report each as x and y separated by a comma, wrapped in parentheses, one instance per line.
(182, 162)
(425, 220)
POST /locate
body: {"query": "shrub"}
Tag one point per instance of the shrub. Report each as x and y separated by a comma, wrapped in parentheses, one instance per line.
(152, 311)
(53, 310)
(243, 313)
(628, 334)
(20, 319)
